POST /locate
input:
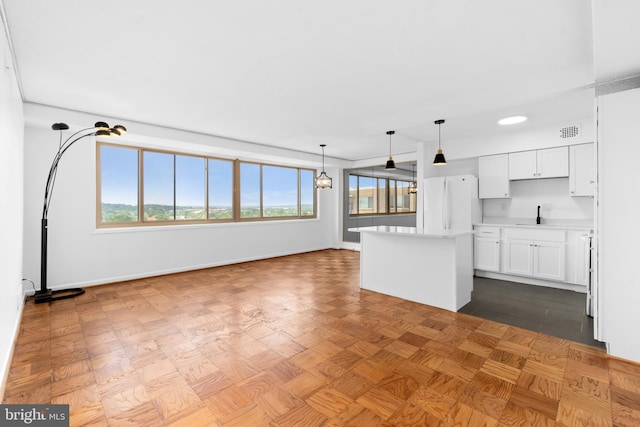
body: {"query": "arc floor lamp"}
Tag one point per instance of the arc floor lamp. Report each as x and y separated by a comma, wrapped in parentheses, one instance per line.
(99, 129)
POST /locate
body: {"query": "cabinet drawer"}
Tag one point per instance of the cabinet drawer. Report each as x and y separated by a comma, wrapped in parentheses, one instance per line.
(487, 231)
(535, 234)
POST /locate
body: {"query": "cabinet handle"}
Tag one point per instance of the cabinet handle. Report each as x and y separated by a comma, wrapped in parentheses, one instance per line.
(573, 192)
(505, 194)
(591, 182)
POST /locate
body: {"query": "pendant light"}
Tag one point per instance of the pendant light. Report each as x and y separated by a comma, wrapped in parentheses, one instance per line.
(391, 165)
(323, 181)
(413, 186)
(439, 159)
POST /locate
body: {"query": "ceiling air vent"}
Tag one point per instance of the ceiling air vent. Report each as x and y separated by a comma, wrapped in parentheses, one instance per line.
(569, 132)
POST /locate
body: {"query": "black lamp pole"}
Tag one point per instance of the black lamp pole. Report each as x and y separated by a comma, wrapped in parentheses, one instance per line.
(100, 129)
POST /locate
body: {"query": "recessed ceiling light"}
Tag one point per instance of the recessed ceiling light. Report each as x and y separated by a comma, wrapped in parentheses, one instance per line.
(512, 120)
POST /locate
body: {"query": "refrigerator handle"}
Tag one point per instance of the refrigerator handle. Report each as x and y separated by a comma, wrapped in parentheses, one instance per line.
(445, 206)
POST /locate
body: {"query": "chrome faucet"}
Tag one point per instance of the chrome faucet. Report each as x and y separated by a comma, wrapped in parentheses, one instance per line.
(538, 217)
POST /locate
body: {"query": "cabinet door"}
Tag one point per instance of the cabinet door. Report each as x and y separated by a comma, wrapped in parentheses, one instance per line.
(548, 260)
(581, 170)
(493, 176)
(553, 162)
(522, 165)
(518, 257)
(487, 254)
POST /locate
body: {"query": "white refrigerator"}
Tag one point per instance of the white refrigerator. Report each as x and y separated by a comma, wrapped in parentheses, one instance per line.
(451, 203)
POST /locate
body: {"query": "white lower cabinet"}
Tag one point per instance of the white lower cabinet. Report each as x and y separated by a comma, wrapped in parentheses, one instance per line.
(487, 249)
(548, 260)
(544, 260)
(538, 253)
(487, 255)
(518, 257)
(544, 254)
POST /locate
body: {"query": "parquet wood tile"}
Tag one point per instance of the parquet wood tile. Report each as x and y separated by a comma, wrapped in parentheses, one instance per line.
(294, 341)
(355, 415)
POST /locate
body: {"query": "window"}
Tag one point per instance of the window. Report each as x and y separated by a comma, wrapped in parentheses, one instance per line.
(137, 186)
(269, 191)
(367, 193)
(117, 185)
(379, 196)
(250, 190)
(220, 189)
(307, 193)
(158, 186)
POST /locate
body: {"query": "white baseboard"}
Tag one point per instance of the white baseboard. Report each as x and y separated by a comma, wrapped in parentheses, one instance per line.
(531, 281)
(7, 363)
(351, 246)
(143, 275)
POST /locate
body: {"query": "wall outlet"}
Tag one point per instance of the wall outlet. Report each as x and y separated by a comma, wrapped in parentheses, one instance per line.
(546, 207)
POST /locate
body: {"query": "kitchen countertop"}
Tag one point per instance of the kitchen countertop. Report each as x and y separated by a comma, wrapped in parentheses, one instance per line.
(580, 227)
(412, 231)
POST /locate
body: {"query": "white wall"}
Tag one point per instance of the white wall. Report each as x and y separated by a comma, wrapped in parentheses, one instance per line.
(80, 254)
(618, 214)
(552, 195)
(11, 179)
(528, 138)
(467, 166)
(462, 153)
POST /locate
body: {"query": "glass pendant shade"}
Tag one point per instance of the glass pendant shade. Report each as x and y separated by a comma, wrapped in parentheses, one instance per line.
(323, 180)
(413, 186)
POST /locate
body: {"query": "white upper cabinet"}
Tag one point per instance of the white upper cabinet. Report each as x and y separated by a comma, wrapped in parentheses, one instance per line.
(581, 170)
(553, 162)
(523, 165)
(547, 163)
(493, 177)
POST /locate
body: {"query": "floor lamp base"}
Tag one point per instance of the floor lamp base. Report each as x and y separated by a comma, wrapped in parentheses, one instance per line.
(48, 295)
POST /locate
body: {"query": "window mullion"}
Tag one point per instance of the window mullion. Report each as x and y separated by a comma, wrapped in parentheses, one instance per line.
(141, 185)
(299, 195)
(261, 195)
(206, 189)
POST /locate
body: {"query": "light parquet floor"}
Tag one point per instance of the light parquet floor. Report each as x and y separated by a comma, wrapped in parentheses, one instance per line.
(293, 341)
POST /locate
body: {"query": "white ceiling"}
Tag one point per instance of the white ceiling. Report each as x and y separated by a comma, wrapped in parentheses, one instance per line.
(296, 74)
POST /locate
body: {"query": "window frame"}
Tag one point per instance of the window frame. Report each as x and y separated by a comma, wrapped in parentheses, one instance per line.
(235, 184)
(390, 190)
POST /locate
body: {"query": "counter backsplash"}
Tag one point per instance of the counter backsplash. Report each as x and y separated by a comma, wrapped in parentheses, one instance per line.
(503, 220)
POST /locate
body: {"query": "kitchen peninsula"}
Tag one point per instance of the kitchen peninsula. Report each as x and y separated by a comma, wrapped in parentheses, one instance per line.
(432, 267)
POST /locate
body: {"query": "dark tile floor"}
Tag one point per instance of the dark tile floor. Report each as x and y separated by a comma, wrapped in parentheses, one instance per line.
(552, 311)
